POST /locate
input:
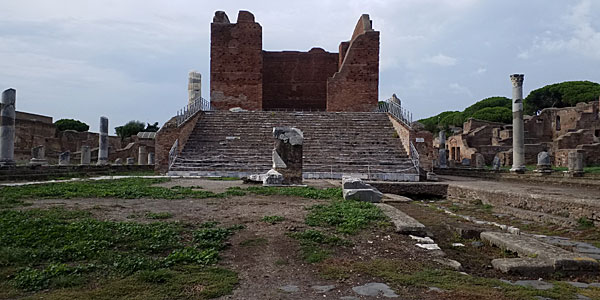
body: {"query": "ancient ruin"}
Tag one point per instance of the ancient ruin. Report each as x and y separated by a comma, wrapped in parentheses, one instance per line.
(7, 128)
(243, 75)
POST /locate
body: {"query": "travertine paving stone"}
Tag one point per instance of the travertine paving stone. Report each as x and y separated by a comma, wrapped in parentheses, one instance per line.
(403, 222)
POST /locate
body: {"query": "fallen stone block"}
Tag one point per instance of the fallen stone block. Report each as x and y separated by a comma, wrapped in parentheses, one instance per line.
(366, 195)
(353, 183)
(523, 266)
(404, 223)
(395, 198)
(526, 246)
(449, 263)
(273, 178)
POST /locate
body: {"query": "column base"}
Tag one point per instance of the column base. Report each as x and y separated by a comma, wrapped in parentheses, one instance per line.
(7, 163)
(38, 162)
(518, 170)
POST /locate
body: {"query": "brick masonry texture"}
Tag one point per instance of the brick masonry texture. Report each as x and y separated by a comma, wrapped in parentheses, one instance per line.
(243, 75)
(166, 137)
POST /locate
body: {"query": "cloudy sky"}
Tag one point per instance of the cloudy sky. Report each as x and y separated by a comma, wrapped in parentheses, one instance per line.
(129, 59)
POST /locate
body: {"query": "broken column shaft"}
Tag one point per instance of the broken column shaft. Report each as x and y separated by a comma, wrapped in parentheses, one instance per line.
(103, 142)
(518, 130)
(7, 128)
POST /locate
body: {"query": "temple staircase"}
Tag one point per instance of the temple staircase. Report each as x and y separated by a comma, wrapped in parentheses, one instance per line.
(238, 144)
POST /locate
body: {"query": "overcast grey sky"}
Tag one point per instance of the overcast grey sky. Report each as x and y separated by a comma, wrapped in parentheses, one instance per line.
(129, 59)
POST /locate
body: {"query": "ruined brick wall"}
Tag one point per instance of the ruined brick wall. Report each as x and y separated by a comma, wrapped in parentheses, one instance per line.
(355, 87)
(297, 80)
(165, 138)
(236, 62)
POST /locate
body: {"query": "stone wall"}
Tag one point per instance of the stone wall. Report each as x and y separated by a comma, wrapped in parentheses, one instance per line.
(297, 80)
(355, 87)
(166, 137)
(421, 139)
(243, 75)
(236, 62)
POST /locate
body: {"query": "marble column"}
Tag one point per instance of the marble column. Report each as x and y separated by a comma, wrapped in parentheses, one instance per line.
(103, 142)
(86, 155)
(518, 130)
(575, 162)
(142, 156)
(194, 86)
(442, 152)
(7, 128)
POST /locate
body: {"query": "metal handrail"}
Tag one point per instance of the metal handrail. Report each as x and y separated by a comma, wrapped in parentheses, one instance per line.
(396, 110)
(190, 110)
(414, 156)
(173, 153)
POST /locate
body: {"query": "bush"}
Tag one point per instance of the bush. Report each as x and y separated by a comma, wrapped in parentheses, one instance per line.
(70, 124)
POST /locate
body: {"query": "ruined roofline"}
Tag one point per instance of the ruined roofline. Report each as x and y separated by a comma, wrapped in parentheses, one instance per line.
(244, 16)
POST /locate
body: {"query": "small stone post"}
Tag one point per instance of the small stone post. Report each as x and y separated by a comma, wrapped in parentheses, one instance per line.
(194, 86)
(103, 142)
(86, 155)
(130, 161)
(151, 158)
(142, 156)
(7, 128)
(496, 163)
(544, 165)
(479, 161)
(38, 156)
(64, 159)
(118, 162)
(518, 130)
(575, 160)
(287, 157)
(442, 152)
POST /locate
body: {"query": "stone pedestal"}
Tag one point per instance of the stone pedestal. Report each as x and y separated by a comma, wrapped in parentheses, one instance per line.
(86, 155)
(118, 162)
(64, 159)
(7, 128)
(142, 156)
(287, 155)
(103, 142)
(518, 165)
(130, 161)
(496, 164)
(575, 160)
(38, 156)
(194, 86)
(151, 158)
(479, 161)
(544, 164)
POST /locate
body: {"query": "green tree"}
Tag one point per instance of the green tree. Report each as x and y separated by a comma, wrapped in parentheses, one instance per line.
(130, 128)
(70, 124)
(563, 94)
(152, 128)
(486, 103)
(494, 114)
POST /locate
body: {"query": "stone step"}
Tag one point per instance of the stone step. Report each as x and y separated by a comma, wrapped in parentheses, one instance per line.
(404, 223)
(526, 246)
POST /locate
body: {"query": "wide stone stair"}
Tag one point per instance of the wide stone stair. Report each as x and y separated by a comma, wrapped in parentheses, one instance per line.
(238, 144)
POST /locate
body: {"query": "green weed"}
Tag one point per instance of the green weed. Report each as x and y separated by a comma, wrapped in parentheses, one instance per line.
(159, 215)
(346, 216)
(272, 219)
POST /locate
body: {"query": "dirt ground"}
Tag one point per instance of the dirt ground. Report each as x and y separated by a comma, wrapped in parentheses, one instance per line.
(267, 258)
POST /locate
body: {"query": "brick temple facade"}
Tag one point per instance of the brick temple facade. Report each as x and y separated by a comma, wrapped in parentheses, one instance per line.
(243, 75)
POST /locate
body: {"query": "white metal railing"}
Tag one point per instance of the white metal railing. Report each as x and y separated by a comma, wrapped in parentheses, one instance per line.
(396, 110)
(414, 156)
(190, 110)
(173, 153)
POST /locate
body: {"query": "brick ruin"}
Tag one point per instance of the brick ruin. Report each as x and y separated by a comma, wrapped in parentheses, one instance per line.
(244, 75)
(556, 130)
(32, 130)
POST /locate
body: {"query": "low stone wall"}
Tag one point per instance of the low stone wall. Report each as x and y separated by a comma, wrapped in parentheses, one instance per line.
(588, 180)
(415, 190)
(546, 207)
(44, 172)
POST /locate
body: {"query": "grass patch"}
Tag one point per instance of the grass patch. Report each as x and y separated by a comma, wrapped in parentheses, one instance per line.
(312, 244)
(584, 223)
(304, 192)
(159, 215)
(272, 219)
(345, 216)
(63, 249)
